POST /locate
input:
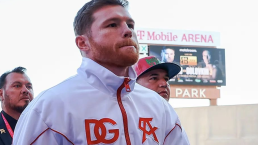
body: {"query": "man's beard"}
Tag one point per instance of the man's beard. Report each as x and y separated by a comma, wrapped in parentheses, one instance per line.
(111, 55)
(15, 107)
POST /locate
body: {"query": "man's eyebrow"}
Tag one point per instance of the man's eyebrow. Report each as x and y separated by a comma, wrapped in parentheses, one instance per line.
(29, 84)
(111, 19)
(130, 21)
(154, 74)
(118, 19)
(16, 82)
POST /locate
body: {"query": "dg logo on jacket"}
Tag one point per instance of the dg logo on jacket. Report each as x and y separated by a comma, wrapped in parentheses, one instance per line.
(100, 131)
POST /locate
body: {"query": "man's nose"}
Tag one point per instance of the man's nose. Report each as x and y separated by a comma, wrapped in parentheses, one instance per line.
(163, 83)
(127, 32)
(25, 93)
(25, 90)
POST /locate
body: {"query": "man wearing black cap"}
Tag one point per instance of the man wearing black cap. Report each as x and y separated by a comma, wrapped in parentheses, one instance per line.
(153, 74)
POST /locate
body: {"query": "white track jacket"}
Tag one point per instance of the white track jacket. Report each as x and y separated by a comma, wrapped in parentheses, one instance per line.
(97, 107)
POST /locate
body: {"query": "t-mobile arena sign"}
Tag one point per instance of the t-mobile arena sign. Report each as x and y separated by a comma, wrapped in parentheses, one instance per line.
(177, 37)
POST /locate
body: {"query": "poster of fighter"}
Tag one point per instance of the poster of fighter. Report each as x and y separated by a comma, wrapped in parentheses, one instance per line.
(199, 66)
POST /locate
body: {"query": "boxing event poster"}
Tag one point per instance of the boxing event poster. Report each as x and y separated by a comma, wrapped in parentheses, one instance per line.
(199, 66)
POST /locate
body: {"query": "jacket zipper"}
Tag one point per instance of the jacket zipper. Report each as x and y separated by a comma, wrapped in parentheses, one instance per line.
(125, 120)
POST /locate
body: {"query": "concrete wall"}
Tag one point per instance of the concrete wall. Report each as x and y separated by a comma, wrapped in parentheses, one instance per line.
(221, 125)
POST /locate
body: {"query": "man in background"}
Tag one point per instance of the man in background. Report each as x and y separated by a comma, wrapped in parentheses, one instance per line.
(168, 55)
(16, 93)
(212, 67)
(154, 75)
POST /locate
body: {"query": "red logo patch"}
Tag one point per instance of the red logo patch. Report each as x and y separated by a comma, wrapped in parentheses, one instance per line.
(143, 124)
(100, 131)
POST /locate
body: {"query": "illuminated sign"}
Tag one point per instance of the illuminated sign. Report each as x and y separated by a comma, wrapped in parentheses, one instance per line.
(177, 37)
(199, 66)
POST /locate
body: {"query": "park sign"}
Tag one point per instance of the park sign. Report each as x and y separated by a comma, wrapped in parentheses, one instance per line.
(194, 92)
(177, 37)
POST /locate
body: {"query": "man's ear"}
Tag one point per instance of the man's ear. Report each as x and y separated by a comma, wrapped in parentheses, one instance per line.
(82, 43)
(1, 95)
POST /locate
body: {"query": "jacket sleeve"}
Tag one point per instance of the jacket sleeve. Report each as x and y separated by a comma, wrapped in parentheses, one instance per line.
(176, 135)
(31, 130)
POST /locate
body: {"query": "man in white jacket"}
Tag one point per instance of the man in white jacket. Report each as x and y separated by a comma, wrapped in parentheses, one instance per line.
(101, 104)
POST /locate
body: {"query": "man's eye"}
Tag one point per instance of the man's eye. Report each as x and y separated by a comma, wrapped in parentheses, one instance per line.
(112, 25)
(16, 86)
(153, 78)
(131, 26)
(29, 87)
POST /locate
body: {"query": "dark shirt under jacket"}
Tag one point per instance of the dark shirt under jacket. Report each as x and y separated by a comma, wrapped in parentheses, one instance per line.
(5, 137)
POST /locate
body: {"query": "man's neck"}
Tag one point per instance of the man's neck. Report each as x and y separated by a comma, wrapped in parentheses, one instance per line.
(12, 113)
(119, 71)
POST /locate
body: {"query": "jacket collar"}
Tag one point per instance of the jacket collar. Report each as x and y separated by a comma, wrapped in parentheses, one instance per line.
(103, 79)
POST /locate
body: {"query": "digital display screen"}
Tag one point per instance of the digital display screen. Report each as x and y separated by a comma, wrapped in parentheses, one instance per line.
(199, 66)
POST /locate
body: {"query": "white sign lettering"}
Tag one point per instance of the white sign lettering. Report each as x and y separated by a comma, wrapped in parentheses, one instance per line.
(190, 93)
